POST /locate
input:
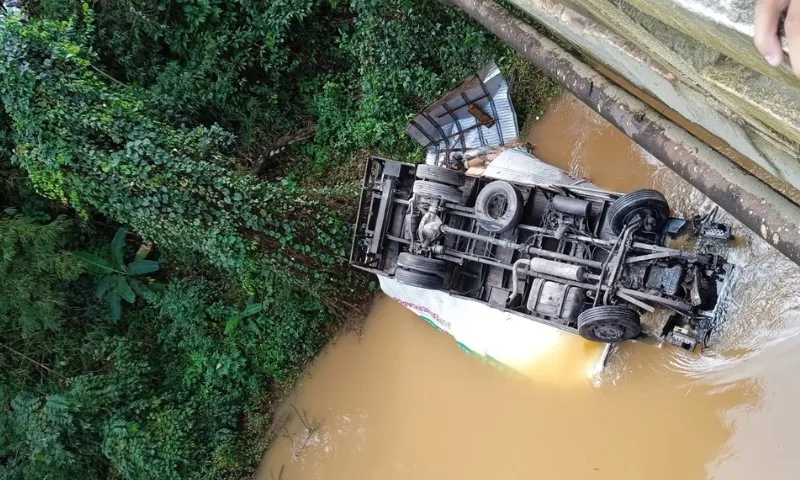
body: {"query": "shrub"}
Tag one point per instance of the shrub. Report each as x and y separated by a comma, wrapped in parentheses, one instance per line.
(240, 64)
(95, 146)
(34, 268)
(171, 391)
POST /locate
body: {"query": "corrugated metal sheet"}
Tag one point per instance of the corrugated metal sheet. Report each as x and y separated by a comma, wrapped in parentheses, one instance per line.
(446, 126)
(516, 165)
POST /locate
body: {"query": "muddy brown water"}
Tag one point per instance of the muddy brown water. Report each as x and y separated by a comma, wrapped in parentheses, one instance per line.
(403, 401)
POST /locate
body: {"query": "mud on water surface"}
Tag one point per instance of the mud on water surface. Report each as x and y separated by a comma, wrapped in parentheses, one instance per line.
(403, 401)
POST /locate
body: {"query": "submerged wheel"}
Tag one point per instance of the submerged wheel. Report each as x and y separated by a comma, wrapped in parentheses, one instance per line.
(440, 175)
(609, 324)
(498, 207)
(650, 206)
(447, 193)
(422, 264)
(418, 279)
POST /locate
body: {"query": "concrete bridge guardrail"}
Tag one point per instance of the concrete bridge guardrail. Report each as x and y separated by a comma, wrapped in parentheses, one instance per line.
(698, 58)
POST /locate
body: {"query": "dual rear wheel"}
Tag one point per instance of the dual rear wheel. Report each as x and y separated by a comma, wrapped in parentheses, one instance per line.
(439, 182)
(419, 271)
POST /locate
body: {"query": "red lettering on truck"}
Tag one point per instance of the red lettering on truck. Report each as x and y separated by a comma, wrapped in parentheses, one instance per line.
(425, 311)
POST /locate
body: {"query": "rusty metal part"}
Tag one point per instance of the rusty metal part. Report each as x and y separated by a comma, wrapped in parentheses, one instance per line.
(751, 201)
(480, 115)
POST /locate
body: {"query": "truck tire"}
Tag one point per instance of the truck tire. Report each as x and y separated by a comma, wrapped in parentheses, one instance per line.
(446, 193)
(498, 207)
(418, 279)
(609, 324)
(440, 175)
(640, 203)
(418, 263)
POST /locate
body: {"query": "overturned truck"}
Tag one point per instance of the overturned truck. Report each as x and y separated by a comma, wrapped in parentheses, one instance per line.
(488, 243)
(567, 254)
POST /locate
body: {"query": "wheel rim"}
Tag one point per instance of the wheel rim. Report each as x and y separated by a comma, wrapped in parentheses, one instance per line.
(609, 332)
(648, 217)
(647, 205)
(497, 206)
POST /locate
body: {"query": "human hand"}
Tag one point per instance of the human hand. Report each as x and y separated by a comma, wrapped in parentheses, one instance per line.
(768, 18)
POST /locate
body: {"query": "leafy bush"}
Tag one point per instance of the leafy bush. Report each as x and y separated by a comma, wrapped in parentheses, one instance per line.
(241, 64)
(14, 184)
(262, 69)
(170, 392)
(34, 268)
(104, 146)
(93, 145)
(120, 281)
(402, 55)
(5, 137)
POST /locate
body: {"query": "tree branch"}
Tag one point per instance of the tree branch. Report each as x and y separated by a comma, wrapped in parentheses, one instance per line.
(27, 358)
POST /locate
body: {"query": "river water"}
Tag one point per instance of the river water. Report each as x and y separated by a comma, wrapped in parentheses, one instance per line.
(403, 401)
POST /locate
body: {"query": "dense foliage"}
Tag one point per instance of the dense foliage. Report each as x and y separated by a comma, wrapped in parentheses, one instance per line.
(178, 388)
(93, 145)
(149, 114)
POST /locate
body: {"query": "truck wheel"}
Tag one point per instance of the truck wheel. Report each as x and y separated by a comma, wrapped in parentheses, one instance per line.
(418, 279)
(447, 193)
(648, 205)
(609, 324)
(418, 263)
(440, 175)
(498, 207)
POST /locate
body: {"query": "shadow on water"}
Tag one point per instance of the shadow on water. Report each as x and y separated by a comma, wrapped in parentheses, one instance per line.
(404, 402)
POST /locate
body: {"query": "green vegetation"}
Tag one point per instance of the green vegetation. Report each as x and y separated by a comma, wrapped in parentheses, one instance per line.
(530, 90)
(155, 295)
(120, 281)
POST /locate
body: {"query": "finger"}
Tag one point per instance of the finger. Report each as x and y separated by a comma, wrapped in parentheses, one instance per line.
(792, 26)
(768, 14)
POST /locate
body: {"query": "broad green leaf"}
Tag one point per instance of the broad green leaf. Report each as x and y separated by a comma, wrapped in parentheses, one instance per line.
(252, 309)
(103, 286)
(141, 267)
(117, 245)
(93, 263)
(254, 328)
(124, 290)
(115, 305)
(231, 324)
(140, 288)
